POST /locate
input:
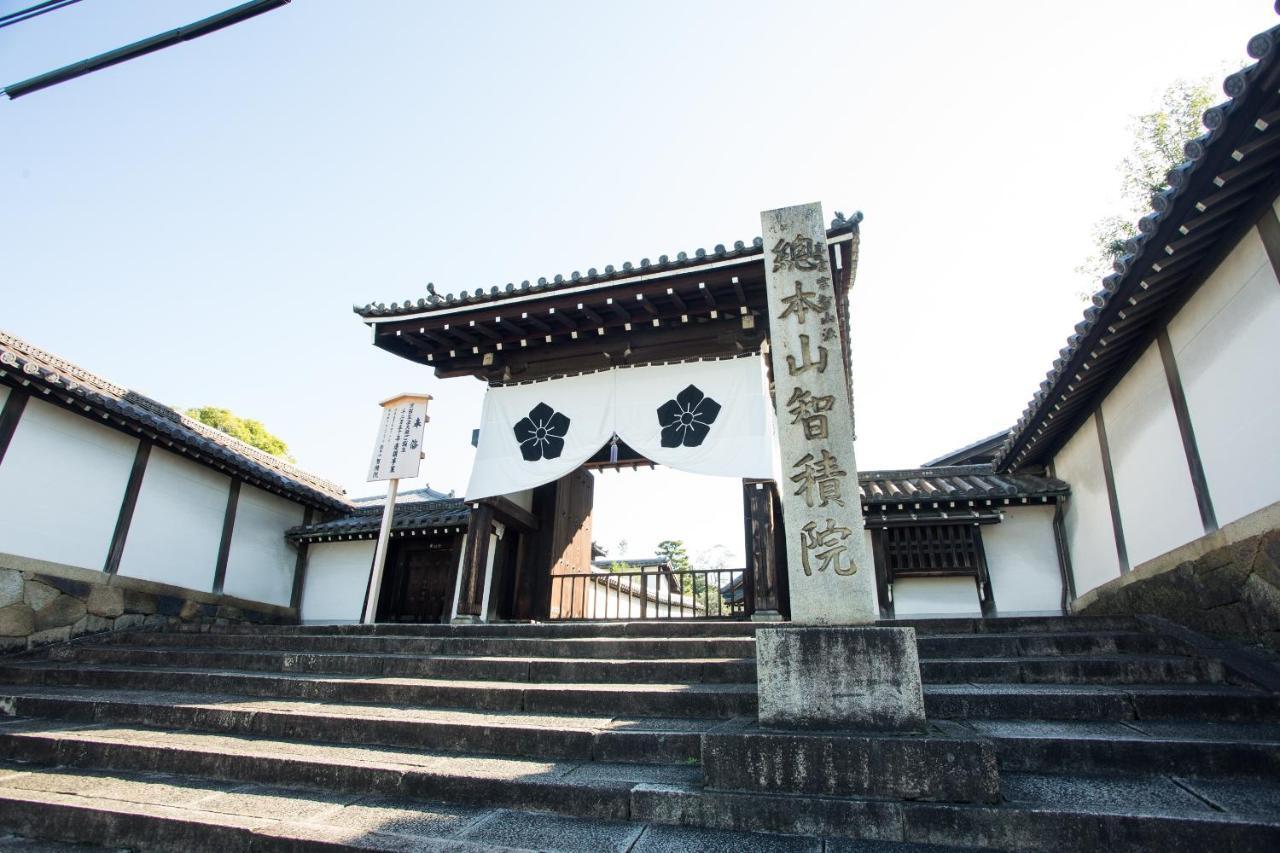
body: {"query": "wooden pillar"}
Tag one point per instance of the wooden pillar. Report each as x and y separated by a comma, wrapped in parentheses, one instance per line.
(759, 500)
(475, 561)
(571, 544)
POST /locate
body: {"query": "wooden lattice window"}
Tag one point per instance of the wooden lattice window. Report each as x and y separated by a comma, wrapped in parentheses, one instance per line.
(931, 551)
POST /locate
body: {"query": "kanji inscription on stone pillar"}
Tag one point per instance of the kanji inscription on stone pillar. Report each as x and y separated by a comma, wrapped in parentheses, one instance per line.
(832, 578)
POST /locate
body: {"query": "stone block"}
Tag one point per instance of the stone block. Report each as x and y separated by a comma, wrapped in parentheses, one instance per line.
(933, 767)
(1262, 604)
(52, 635)
(1266, 563)
(136, 601)
(129, 620)
(105, 601)
(38, 594)
(169, 605)
(11, 585)
(190, 610)
(226, 611)
(67, 586)
(16, 620)
(63, 610)
(91, 624)
(839, 678)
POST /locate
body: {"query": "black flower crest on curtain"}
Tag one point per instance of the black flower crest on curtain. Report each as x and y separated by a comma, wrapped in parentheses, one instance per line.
(541, 435)
(687, 419)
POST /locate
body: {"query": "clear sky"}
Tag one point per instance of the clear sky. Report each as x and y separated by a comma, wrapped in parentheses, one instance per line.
(197, 224)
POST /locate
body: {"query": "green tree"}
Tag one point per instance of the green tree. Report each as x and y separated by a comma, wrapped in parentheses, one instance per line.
(1158, 138)
(672, 550)
(246, 429)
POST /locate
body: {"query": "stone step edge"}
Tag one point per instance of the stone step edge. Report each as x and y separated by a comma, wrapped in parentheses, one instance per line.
(482, 732)
(80, 820)
(1119, 657)
(1006, 826)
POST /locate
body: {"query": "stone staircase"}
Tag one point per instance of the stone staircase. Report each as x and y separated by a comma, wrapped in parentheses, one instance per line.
(1109, 735)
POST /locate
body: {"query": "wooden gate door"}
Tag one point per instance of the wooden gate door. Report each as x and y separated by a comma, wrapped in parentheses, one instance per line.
(421, 588)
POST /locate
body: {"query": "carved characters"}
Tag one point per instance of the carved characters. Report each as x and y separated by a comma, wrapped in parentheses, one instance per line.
(820, 478)
(807, 363)
(687, 419)
(541, 435)
(827, 546)
(810, 412)
(802, 253)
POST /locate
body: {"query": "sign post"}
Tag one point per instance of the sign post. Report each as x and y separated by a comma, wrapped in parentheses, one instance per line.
(398, 453)
(832, 578)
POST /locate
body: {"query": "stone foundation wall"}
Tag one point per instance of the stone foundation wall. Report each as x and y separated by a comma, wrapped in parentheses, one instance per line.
(43, 602)
(1226, 584)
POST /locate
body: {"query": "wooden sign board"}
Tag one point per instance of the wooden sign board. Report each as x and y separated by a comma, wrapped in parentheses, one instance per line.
(398, 451)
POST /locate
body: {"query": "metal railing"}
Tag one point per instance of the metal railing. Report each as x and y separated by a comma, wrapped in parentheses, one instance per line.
(689, 594)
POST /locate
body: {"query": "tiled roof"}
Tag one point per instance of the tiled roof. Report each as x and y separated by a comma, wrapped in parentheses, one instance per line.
(593, 276)
(931, 487)
(1214, 196)
(363, 523)
(981, 451)
(964, 486)
(59, 381)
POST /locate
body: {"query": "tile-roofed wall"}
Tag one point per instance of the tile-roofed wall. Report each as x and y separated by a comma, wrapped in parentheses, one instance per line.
(434, 301)
(57, 380)
(1212, 198)
(448, 515)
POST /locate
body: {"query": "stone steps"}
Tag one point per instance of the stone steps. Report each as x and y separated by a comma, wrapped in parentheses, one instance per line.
(467, 667)
(1107, 735)
(554, 736)
(1054, 669)
(649, 700)
(970, 645)
(1040, 812)
(1209, 750)
(667, 629)
(184, 813)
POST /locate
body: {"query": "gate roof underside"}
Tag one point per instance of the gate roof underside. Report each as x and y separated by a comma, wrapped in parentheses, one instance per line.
(710, 304)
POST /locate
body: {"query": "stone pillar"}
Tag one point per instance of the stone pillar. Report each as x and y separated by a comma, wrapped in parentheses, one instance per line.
(829, 567)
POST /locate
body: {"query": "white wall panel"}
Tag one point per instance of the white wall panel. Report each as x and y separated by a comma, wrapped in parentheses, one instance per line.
(1157, 501)
(337, 574)
(177, 523)
(1227, 344)
(1022, 560)
(936, 596)
(1087, 522)
(61, 485)
(260, 564)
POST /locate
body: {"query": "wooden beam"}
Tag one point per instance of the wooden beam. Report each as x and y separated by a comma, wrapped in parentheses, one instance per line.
(14, 405)
(127, 504)
(759, 501)
(475, 559)
(511, 514)
(1208, 518)
(300, 568)
(1122, 552)
(228, 527)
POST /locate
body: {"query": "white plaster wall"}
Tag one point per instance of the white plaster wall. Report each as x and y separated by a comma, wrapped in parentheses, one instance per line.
(1022, 560)
(936, 596)
(260, 564)
(61, 485)
(334, 585)
(177, 523)
(1087, 521)
(1226, 341)
(1157, 501)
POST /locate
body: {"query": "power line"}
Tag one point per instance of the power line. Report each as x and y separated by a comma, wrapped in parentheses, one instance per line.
(33, 12)
(143, 47)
